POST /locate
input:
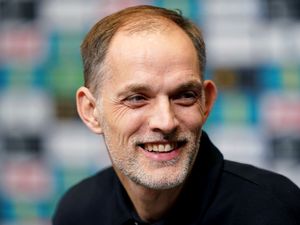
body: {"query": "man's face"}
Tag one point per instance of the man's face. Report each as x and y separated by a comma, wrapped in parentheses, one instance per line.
(152, 107)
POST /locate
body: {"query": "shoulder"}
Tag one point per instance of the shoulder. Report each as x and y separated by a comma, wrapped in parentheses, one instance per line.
(259, 188)
(85, 195)
(260, 178)
(257, 176)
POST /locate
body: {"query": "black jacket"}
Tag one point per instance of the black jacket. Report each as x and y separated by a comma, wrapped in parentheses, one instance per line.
(218, 192)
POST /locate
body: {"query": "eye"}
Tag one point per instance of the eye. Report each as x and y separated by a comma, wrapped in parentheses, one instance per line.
(186, 98)
(135, 101)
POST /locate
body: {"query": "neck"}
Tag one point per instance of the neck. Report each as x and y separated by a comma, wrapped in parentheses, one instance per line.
(151, 205)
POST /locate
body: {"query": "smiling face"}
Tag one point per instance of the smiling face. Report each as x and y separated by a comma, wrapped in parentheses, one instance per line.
(152, 106)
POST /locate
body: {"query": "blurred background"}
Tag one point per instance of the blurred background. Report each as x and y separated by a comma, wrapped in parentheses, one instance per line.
(253, 49)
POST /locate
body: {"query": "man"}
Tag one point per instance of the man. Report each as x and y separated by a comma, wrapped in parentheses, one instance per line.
(145, 93)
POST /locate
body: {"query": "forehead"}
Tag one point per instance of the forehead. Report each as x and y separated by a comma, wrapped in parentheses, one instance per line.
(161, 59)
(157, 47)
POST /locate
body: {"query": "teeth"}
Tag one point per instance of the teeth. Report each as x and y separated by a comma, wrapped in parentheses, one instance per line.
(159, 147)
(168, 147)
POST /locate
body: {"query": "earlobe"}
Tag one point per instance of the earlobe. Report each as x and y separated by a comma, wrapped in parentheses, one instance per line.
(87, 109)
(210, 96)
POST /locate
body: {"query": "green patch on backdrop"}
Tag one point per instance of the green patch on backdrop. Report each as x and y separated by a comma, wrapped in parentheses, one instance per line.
(182, 5)
(69, 46)
(235, 108)
(291, 78)
(65, 79)
(25, 211)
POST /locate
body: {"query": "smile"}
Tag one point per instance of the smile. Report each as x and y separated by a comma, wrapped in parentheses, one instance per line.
(162, 147)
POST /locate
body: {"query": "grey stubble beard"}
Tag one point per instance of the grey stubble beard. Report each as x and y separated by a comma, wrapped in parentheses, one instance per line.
(132, 169)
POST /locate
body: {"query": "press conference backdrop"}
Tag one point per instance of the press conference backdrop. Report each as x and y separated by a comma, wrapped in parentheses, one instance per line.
(253, 49)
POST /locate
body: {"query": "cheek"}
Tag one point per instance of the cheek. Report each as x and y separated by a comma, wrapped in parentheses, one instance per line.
(124, 122)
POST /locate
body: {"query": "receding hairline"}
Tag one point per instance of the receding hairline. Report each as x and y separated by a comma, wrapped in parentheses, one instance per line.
(146, 23)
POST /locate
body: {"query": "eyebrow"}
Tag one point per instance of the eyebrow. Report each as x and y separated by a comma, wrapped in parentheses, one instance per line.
(134, 88)
(140, 88)
(191, 85)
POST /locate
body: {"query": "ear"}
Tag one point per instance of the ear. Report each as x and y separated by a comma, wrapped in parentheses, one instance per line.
(210, 91)
(87, 109)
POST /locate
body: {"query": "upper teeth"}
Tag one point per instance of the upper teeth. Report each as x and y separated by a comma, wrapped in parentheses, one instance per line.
(159, 147)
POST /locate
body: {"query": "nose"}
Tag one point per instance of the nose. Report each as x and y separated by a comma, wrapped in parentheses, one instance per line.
(163, 118)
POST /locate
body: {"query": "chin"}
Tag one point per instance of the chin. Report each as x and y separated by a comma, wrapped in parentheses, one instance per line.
(162, 181)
